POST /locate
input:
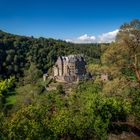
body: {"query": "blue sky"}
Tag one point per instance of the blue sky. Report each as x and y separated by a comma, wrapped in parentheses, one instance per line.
(67, 19)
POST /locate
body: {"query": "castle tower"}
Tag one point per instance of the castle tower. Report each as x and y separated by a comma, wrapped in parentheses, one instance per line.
(69, 68)
(60, 66)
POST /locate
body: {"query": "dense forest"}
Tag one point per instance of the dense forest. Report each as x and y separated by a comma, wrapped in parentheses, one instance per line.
(18, 52)
(94, 109)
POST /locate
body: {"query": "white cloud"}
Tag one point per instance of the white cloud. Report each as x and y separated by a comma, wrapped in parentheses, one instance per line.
(108, 37)
(83, 39)
(69, 40)
(86, 39)
(103, 38)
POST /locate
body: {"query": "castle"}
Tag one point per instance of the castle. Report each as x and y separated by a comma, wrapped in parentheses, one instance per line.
(69, 68)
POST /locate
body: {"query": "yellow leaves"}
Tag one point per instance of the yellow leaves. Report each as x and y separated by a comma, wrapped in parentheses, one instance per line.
(5, 85)
(60, 121)
(115, 52)
(97, 69)
(93, 67)
(115, 87)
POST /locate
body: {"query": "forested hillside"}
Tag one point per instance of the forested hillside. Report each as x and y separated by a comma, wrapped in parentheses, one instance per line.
(92, 109)
(18, 52)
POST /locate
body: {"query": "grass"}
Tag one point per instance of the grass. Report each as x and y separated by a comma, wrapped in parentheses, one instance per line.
(11, 100)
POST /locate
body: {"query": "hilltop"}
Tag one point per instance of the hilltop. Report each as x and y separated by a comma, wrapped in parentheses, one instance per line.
(18, 52)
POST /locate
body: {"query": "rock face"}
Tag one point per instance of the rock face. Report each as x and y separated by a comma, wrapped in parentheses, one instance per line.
(69, 68)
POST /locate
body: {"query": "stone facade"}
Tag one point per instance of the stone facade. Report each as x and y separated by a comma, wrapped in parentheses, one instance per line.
(69, 68)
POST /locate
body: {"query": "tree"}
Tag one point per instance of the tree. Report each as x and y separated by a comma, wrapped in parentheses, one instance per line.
(129, 37)
(29, 123)
(5, 86)
(123, 59)
(32, 74)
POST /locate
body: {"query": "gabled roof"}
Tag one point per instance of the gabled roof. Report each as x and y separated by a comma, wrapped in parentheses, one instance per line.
(72, 58)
